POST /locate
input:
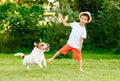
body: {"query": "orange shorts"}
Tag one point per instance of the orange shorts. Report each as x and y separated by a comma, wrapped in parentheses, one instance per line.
(76, 53)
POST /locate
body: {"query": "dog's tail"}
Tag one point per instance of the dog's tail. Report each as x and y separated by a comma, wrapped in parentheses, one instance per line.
(19, 54)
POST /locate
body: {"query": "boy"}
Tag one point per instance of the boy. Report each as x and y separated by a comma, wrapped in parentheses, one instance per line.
(76, 38)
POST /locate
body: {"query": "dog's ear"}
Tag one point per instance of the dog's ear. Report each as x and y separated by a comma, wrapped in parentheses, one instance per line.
(35, 44)
(40, 40)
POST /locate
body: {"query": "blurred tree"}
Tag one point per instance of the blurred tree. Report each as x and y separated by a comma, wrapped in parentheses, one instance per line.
(33, 2)
(105, 33)
(87, 5)
(18, 24)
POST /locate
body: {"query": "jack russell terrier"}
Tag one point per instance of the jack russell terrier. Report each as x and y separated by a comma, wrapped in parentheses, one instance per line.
(36, 56)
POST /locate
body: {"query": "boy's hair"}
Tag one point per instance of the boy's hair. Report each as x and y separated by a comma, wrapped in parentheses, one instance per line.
(86, 14)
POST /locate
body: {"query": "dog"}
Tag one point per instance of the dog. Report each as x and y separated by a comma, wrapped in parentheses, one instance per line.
(36, 56)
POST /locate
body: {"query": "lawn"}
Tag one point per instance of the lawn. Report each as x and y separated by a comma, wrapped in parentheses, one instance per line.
(97, 67)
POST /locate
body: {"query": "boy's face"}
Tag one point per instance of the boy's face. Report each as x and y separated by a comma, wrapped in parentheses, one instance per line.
(83, 19)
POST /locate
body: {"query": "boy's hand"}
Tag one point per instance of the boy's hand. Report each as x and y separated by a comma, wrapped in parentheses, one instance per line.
(60, 16)
(62, 20)
(80, 49)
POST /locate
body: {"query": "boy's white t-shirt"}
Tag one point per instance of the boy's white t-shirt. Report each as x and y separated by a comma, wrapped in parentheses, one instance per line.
(75, 35)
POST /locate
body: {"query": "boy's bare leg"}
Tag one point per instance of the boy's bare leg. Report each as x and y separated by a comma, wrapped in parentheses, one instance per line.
(53, 57)
(80, 65)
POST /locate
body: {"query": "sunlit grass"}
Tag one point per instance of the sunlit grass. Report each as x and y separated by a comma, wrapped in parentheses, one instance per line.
(97, 67)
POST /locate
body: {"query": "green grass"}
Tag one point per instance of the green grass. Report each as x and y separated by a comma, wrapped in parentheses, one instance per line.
(97, 67)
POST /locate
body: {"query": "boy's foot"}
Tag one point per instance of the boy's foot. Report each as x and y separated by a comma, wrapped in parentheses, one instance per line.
(50, 60)
(81, 69)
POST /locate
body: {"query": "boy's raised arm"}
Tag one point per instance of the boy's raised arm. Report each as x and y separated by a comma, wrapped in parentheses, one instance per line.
(62, 20)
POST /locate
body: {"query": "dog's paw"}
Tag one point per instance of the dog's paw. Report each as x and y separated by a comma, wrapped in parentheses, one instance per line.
(41, 66)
